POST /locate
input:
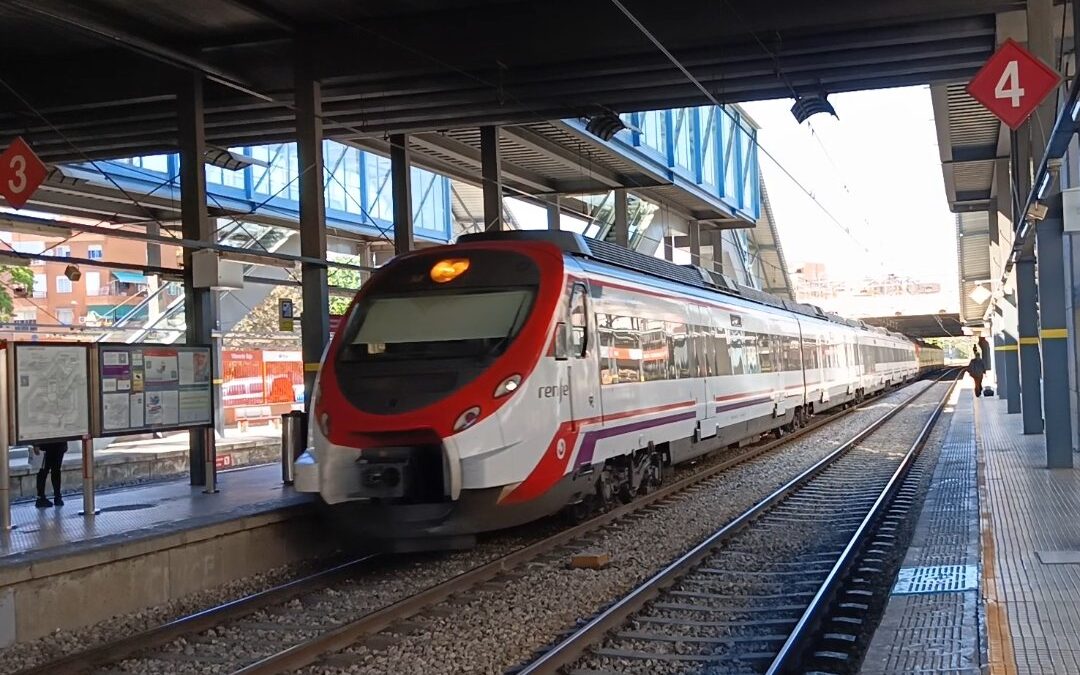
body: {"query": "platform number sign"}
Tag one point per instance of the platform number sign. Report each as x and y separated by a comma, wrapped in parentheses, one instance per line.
(21, 173)
(1013, 83)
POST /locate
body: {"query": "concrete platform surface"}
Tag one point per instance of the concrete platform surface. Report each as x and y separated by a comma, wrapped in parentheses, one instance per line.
(1019, 613)
(141, 512)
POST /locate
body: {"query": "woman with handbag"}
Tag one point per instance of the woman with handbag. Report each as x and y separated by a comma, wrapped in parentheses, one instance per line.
(50, 457)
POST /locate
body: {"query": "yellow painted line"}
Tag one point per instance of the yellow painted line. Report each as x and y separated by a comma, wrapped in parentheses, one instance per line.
(1007, 348)
(219, 381)
(311, 367)
(1001, 652)
(1054, 333)
(1029, 340)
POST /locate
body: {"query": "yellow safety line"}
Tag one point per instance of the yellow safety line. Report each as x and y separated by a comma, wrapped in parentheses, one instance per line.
(1054, 333)
(1008, 348)
(311, 367)
(1029, 340)
(219, 381)
(1001, 652)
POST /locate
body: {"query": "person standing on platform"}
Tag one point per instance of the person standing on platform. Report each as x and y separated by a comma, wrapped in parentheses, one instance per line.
(54, 459)
(976, 368)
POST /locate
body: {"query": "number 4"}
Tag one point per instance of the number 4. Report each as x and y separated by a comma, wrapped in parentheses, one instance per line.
(1008, 85)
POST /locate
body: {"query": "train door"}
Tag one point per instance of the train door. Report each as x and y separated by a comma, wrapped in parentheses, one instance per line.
(583, 375)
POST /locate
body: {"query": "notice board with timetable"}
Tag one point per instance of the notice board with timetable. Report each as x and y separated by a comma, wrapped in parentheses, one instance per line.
(50, 389)
(146, 388)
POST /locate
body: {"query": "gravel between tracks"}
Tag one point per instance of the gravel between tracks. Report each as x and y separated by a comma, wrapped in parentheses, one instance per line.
(490, 630)
(512, 627)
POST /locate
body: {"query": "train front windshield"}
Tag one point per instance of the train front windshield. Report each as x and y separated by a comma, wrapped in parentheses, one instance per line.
(439, 325)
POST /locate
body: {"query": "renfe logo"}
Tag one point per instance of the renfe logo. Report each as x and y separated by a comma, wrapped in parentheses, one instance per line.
(559, 391)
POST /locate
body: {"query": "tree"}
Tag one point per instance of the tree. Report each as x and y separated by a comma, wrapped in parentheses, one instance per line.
(342, 277)
(13, 277)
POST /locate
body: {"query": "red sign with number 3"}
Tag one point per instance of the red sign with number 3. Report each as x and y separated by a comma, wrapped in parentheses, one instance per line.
(21, 173)
(1013, 83)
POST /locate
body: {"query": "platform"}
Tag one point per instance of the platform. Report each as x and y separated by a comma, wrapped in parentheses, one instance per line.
(150, 544)
(998, 549)
(127, 462)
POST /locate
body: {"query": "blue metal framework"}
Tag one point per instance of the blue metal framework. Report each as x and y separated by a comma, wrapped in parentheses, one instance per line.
(357, 188)
(709, 151)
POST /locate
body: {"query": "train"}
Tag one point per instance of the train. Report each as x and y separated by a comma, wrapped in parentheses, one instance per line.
(514, 375)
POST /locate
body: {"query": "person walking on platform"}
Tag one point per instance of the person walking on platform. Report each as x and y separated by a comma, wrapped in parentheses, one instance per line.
(53, 460)
(976, 368)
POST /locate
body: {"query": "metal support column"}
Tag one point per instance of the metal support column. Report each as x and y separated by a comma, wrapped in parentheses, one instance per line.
(1011, 371)
(401, 188)
(490, 170)
(1030, 362)
(554, 214)
(315, 319)
(695, 242)
(621, 226)
(200, 304)
(717, 238)
(1054, 336)
(999, 367)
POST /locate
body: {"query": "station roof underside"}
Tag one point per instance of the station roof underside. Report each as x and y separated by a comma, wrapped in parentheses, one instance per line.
(97, 78)
(920, 325)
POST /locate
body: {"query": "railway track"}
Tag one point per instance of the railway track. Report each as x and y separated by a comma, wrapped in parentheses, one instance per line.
(755, 596)
(258, 621)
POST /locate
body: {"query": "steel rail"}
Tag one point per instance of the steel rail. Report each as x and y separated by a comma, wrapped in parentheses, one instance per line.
(143, 641)
(794, 647)
(131, 645)
(336, 639)
(574, 645)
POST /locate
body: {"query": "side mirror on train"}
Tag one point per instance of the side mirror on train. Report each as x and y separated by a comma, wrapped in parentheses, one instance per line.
(561, 347)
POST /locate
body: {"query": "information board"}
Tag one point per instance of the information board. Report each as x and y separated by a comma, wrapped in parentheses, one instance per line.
(152, 388)
(51, 391)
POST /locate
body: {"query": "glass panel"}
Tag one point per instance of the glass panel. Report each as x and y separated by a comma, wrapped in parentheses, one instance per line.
(708, 144)
(731, 178)
(683, 135)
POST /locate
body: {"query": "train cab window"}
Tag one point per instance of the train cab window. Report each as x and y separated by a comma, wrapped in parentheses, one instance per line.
(579, 322)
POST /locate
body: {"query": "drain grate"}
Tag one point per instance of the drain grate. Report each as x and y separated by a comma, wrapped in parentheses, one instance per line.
(937, 579)
(127, 507)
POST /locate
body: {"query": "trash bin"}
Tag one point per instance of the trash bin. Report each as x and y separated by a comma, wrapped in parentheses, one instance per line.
(293, 440)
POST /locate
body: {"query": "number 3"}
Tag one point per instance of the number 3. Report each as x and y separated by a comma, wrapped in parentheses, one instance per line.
(1008, 85)
(18, 165)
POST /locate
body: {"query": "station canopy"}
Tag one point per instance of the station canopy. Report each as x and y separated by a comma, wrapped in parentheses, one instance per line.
(920, 326)
(90, 79)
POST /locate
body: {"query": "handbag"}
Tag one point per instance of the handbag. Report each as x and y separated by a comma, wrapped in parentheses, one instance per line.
(36, 459)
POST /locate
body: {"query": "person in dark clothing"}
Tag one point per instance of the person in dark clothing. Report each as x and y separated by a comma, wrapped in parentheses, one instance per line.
(976, 368)
(54, 458)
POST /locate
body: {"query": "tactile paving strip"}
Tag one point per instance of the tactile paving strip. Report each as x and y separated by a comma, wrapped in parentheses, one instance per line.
(932, 622)
(936, 579)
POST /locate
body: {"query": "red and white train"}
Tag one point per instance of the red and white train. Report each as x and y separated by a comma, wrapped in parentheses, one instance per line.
(489, 383)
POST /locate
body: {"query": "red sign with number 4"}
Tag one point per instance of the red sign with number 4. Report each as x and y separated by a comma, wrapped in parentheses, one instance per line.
(21, 173)
(1013, 83)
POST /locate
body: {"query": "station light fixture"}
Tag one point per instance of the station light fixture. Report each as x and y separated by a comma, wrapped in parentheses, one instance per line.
(979, 294)
(805, 106)
(605, 125)
(224, 158)
(72, 272)
(1037, 211)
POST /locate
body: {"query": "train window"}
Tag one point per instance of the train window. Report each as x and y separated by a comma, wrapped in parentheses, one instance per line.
(627, 349)
(792, 360)
(723, 354)
(700, 355)
(579, 322)
(710, 350)
(750, 353)
(810, 355)
(735, 349)
(766, 354)
(654, 354)
(680, 350)
(606, 339)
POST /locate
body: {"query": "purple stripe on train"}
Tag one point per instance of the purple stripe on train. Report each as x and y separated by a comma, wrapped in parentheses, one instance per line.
(588, 443)
(743, 404)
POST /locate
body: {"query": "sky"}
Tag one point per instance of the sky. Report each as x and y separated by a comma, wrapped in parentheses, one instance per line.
(876, 170)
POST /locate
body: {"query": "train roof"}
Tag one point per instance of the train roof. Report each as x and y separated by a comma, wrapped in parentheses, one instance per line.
(575, 244)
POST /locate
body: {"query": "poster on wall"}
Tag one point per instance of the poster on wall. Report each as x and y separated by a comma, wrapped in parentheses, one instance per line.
(150, 388)
(51, 388)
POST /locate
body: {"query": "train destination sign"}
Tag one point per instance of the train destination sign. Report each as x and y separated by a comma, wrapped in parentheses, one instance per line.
(1013, 83)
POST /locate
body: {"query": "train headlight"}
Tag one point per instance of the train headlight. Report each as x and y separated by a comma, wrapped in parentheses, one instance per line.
(508, 386)
(467, 419)
(448, 270)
